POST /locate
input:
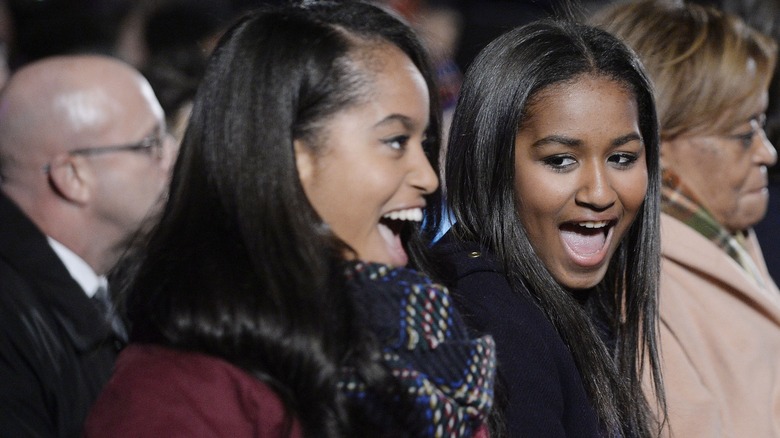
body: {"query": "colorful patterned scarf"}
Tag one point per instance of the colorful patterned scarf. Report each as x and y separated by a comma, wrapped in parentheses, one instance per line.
(444, 378)
(680, 203)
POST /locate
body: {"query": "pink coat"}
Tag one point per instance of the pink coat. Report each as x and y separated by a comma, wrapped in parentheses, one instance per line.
(720, 339)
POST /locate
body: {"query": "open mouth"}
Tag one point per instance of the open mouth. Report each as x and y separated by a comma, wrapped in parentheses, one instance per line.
(391, 228)
(586, 239)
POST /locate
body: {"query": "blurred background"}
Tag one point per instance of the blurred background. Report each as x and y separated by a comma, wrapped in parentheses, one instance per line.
(169, 41)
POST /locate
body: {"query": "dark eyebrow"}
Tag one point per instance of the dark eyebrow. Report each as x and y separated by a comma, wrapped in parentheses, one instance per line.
(566, 141)
(574, 143)
(620, 141)
(406, 121)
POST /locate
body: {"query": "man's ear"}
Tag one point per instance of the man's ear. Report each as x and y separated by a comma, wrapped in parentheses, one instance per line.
(71, 178)
(304, 161)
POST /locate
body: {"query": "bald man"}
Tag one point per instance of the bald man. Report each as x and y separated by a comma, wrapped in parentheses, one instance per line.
(84, 161)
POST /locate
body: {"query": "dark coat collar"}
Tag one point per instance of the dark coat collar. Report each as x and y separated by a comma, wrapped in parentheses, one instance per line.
(25, 248)
(464, 258)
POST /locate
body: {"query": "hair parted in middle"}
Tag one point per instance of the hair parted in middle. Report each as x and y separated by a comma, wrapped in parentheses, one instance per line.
(497, 95)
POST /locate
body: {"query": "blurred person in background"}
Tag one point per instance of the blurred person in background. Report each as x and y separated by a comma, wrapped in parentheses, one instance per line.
(84, 164)
(763, 16)
(43, 28)
(179, 35)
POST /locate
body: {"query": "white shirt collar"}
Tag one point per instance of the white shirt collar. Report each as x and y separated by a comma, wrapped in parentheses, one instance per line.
(78, 268)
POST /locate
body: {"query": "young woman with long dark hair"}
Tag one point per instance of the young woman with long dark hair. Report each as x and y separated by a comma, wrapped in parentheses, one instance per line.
(552, 180)
(272, 299)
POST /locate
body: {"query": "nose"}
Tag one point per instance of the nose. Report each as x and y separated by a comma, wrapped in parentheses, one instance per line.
(422, 175)
(766, 154)
(595, 188)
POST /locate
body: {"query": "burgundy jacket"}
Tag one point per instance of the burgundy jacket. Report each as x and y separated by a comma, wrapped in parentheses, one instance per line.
(203, 396)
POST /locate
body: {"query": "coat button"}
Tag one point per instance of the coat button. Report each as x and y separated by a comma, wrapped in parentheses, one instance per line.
(474, 254)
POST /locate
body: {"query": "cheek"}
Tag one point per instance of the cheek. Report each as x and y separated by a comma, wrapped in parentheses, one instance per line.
(327, 193)
(159, 176)
(632, 189)
(717, 175)
(707, 159)
(539, 198)
(348, 200)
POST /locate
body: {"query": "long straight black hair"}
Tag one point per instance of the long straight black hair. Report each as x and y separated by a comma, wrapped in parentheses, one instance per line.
(240, 265)
(479, 172)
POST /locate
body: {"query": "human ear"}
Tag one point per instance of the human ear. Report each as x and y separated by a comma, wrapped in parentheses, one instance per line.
(70, 177)
(304, 162)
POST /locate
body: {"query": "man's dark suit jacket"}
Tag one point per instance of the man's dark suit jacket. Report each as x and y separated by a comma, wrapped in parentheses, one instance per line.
(56, 352)
(540, 391)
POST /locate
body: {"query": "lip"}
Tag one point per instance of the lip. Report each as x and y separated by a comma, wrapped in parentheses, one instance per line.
(588, 260)
(390, 226)
(759, 190)
(401, 208)
(758, 182)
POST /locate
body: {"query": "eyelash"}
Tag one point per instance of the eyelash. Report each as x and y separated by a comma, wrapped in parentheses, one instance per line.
(402, 141)
(746, 139)
(556, 162)
(624, 161)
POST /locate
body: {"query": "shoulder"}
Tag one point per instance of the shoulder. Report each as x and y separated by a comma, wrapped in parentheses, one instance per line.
(525, 338)
(540, 381)
(16, 292)
(178, 392)
(683, 244)
(480, 288)
(29, 328)
(458, 259)
(35, 287)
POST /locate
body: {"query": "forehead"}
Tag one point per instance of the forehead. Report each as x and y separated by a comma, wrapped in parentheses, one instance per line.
(588, 99)
(83, 109)
(393, 85)
(115, 111)
(748, 109)
(388, 68)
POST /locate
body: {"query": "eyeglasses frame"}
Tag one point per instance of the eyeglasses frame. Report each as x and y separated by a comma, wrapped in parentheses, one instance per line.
(153, 142)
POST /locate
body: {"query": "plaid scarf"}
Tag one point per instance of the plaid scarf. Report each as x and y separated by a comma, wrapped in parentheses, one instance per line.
(443, 378)
(678, 202)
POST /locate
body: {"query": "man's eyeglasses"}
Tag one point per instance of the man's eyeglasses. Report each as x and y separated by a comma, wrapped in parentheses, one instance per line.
(152, 144)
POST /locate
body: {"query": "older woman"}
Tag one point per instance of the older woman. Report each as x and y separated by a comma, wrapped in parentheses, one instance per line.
(720, 310)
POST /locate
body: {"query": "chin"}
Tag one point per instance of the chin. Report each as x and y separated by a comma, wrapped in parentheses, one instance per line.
(579, 281)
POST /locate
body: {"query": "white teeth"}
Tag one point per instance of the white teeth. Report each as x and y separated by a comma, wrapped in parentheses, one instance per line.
(410, 214)
(600, 224)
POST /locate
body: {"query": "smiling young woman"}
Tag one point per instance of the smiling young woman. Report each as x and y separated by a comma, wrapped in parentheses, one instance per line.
(273, 299)
(370, 176)
(580, 176)
(552, 179)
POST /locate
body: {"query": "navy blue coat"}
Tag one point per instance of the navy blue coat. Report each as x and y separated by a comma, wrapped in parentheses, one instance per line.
(543, 391)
